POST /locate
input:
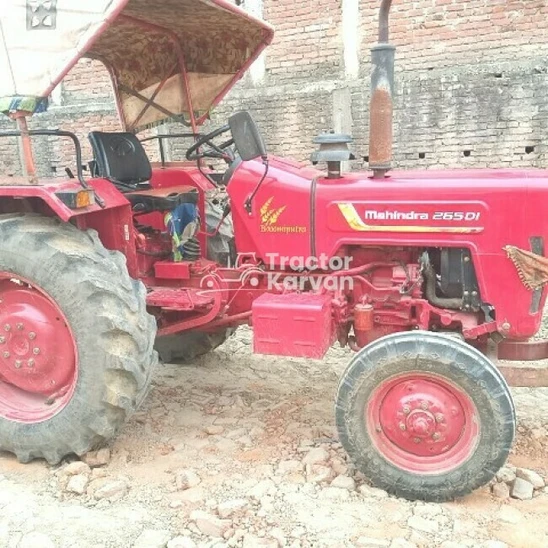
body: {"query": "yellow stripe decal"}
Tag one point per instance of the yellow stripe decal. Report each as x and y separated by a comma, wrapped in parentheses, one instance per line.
(356, 223)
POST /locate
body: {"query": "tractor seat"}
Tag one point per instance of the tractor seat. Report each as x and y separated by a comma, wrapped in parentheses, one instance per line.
(121, 159)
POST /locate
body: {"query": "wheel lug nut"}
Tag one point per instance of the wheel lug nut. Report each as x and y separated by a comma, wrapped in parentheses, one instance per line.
(17, 364)
(424, 405)
(2, 340)
(36, 351)
(436, 436)
(19, 326)
(439, 417)
(6, 354)
(403, 427)
(7, 327)
(31, 363)
(32, 335)
(406, 410)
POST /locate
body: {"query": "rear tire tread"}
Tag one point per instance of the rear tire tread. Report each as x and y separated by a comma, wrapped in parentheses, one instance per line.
(107, 306)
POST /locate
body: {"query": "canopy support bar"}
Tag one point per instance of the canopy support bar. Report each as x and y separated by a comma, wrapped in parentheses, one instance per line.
(150, 102)
(180, 57)
(134, 93)
(186, 84)
(28, 163)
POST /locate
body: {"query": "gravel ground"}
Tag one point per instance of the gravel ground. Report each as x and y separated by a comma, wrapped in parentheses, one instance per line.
(240, 450)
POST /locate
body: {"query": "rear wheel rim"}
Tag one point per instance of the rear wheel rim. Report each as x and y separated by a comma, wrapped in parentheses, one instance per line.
(38, 355)
(422, 423)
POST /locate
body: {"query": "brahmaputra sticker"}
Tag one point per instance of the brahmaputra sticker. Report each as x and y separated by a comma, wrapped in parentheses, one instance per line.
(271, 220)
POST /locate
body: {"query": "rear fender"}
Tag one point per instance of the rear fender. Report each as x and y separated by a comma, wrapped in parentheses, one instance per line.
(113, 221)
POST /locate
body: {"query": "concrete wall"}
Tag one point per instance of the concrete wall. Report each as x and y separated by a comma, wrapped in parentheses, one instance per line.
(472, 83)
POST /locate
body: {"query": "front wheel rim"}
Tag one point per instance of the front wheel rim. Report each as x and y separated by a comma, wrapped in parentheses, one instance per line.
(38, 355)
(422, 423)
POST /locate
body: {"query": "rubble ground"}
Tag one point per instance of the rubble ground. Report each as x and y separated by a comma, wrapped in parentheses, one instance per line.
(239, 450)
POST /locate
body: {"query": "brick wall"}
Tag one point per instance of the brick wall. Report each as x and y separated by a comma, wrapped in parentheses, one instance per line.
(448, 33)
(472, 84)
(307, 40)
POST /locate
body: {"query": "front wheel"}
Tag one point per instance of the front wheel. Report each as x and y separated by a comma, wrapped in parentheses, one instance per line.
(425, 416)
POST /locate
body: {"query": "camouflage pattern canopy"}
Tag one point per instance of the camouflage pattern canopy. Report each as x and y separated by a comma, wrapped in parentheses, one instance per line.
(166, 57)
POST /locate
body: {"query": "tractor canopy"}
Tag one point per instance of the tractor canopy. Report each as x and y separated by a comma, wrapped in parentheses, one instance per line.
(167, 58)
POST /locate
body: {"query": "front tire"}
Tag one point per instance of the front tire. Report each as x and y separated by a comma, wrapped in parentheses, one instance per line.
(76, 354)
(425, 416)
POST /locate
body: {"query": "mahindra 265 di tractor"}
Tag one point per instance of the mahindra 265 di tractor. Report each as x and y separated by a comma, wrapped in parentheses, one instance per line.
(431, 277)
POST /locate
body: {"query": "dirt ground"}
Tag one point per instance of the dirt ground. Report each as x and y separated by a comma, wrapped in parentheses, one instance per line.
(215, 459)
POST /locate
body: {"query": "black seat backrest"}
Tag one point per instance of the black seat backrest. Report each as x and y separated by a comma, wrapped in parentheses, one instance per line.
(120, 158)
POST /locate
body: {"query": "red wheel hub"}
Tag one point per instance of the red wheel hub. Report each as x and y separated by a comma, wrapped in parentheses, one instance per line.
(422, 423)
(37, 353)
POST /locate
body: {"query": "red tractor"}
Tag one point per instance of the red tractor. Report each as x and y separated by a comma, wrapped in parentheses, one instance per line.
(430, 277)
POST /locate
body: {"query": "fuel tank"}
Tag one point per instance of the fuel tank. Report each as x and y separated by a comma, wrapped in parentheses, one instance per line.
(299, 212)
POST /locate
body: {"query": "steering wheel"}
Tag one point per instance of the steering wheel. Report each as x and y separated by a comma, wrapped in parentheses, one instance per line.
(221, 151)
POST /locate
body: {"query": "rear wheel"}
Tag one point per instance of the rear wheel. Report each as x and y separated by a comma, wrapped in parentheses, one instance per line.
(425, 416)
(76, 342)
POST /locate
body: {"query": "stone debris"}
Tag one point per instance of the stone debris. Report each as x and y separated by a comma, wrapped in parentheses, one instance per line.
(229, 508)
(153, 538)
(77, 484)
(316, 456)
(295, 488)
(75, 468)
(112, 490)
(194, 494)
(214, 430)
(95, 459)
(532, 477)
(522, 489)
(344, 482)
(422, 524)
(210, 525)
(290, 466)
(264, 487)
(186, 479)
(518, 483)
(507, 474)
(97, 473)
(319, 474)
(368, 491)
(501, 491)
(427, 510)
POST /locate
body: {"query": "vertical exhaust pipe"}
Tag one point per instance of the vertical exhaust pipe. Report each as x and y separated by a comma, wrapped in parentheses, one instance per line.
(381, 109)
